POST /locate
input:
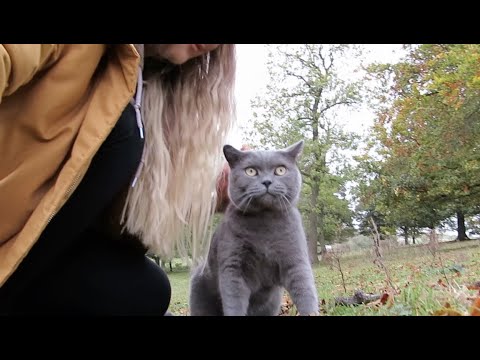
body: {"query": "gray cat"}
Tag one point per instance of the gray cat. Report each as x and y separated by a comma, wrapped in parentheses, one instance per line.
(259, 249)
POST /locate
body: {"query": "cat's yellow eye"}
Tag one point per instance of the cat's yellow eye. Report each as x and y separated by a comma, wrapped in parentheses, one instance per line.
(250, 171)
(281, 170)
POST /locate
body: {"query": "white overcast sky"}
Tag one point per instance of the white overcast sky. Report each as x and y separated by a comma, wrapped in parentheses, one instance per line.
(252, 76)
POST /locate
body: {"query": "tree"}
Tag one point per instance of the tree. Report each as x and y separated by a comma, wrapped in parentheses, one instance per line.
(427, 133)
(304, 91)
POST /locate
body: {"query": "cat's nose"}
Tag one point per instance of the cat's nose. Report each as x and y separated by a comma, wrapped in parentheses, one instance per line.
(267, 183)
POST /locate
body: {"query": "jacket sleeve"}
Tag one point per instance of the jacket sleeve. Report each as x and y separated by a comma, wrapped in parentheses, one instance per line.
(20, 62)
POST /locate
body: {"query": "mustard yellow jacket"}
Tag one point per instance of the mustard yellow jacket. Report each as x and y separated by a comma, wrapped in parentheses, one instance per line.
(58, 103)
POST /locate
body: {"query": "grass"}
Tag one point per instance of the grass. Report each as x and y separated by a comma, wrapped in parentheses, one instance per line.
(179, 281)
(423, 286)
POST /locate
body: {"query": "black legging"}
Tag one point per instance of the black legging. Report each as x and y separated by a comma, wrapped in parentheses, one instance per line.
(75, 269)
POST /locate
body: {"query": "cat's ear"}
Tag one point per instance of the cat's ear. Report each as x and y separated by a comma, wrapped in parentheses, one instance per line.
(295, 150)
(232, 155)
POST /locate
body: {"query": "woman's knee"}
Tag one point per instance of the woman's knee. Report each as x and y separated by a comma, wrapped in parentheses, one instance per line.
(159, 289)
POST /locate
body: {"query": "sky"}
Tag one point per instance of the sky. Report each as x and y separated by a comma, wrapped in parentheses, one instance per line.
(252, 77)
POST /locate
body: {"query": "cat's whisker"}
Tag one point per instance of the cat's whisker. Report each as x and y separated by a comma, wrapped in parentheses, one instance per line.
(248, 203)
(282, 204)
(243, 198)
(246, 198)
(234, 204)
(288, 202)
(286, 197)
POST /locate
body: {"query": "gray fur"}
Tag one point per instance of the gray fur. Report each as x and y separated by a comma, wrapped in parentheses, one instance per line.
(259, 249)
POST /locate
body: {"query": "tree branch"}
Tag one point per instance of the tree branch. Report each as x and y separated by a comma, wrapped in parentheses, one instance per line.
(304, 174)
(294, 94)
(324, 64)
(322, 59)
(330, 55)
(304, 62)
(307, 119)
(342, 102)
(309, 183)
(289, 73)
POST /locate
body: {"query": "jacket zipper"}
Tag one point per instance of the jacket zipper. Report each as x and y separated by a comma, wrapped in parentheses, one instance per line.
(67, 195)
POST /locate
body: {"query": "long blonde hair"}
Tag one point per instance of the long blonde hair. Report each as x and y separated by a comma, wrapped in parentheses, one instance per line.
(188, 111)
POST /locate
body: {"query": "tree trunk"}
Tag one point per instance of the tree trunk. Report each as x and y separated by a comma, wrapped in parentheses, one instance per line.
(461, 231)
(313, 225)
(413, 237)
(405, 234)
(321, 226)
(315, 187)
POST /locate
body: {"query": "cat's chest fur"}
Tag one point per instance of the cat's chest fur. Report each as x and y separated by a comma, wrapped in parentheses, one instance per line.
(260, 243)
(264, 233)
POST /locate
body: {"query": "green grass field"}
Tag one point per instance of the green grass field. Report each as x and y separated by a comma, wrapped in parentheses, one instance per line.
(424, 284)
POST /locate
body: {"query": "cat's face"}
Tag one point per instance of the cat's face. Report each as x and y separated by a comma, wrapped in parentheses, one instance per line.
(264, 179)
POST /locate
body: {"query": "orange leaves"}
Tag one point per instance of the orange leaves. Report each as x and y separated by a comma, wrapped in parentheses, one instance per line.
(386, 299)
(441, 283)
(447, 310)
(475, 309)
(471, 310)
(474, 286)
(287, 307)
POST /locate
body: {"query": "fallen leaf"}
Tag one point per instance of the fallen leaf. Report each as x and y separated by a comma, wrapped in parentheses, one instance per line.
(474, 286)
(447, 312)
(475, 310)
(287, 307)
(441, 283)
(387, 299)
(375, 303)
